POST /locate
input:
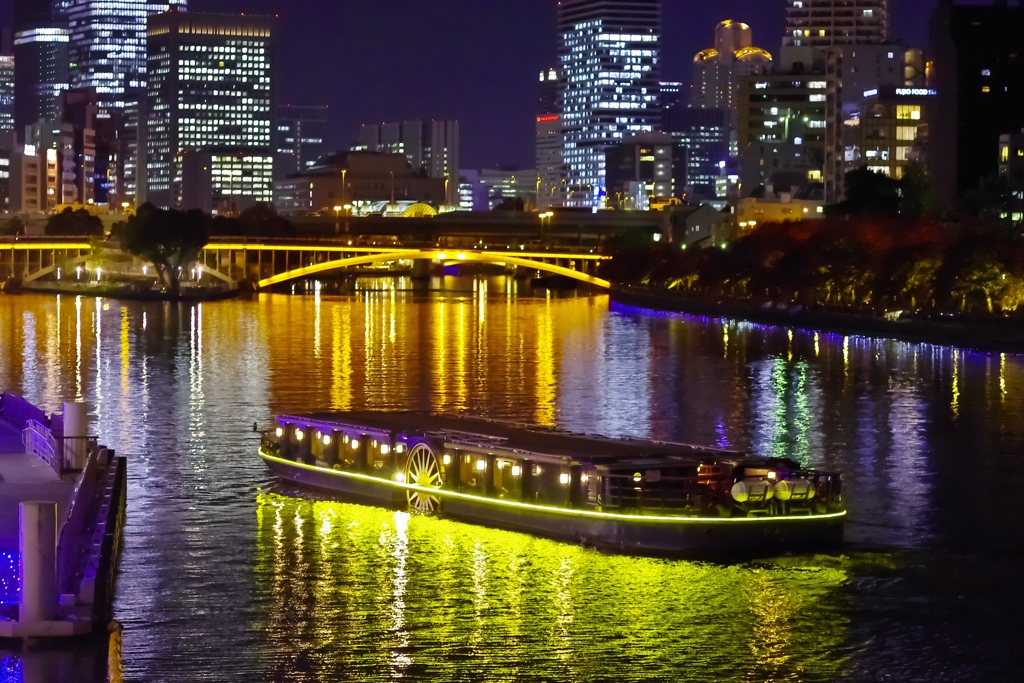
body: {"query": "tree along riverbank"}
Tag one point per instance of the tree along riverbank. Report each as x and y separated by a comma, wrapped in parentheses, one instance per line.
(978, 333)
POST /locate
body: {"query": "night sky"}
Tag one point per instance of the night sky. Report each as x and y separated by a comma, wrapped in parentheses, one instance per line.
(472, 60)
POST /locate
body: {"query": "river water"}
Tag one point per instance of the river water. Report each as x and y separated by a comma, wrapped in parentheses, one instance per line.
(229, 577)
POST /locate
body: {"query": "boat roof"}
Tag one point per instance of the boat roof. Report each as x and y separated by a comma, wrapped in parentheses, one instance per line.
(496, 436)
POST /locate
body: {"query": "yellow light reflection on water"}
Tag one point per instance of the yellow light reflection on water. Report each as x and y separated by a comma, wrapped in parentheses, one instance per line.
(401, 596)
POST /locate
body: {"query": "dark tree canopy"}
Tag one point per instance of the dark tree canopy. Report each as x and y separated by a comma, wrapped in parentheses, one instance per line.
(73, 223)
(257, 221)
(170, 240)
(12, 227)
(868, 193)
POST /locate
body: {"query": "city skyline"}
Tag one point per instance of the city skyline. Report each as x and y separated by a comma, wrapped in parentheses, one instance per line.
(427, 57)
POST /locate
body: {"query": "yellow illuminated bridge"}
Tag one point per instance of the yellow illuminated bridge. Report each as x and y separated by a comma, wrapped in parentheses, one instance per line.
(280, 261)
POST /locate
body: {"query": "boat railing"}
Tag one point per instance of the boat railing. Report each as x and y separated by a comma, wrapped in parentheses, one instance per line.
(695, 495)
(39, 441)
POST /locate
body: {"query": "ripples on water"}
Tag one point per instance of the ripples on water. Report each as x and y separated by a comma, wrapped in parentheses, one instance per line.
(225, 580)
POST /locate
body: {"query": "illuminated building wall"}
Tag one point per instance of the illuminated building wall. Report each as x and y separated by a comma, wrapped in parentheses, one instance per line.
(826, 23)
(610, 58)
(893, 126)
(430, 146)
(107, 45)
(210, 86)
(226, 180)
(6, 95)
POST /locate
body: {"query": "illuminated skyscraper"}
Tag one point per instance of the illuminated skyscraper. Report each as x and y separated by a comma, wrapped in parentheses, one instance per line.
(826, 23)
(610, 60)
(107, 44)
(210, 81)
(40, 62)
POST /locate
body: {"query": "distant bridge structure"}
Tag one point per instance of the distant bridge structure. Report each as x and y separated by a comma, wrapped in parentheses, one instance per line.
(265, 263)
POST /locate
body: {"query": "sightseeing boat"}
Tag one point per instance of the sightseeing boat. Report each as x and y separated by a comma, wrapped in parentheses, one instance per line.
(631, 495)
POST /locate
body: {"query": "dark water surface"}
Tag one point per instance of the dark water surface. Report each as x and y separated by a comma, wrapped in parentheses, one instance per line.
(227, 578)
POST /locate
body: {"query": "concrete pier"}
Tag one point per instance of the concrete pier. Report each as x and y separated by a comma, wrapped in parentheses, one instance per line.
(61, 511)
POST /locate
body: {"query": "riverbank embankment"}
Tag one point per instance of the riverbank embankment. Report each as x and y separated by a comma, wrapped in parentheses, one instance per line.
(990, 335)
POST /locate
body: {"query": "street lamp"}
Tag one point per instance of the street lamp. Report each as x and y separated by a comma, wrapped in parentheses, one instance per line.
(337, 219)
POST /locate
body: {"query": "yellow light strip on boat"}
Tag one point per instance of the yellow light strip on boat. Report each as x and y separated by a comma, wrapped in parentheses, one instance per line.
(444, 493)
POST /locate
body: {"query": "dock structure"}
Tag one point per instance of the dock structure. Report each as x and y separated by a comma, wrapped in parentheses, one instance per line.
(62, 500)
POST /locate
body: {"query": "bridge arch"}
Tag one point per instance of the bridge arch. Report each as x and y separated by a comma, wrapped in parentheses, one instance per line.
(446, 256)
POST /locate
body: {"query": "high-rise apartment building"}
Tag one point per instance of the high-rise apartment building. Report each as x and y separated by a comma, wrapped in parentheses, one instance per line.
(300, 136)
(210, 87)
(40, 62)
(827, 23)
(6, 95)
(107, 45)
(717, 69)
(782, 121)
(431, 147)
(977, 54)
(610, 52)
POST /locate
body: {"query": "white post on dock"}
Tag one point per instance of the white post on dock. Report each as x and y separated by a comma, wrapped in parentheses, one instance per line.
(38, 546)
(76, 429)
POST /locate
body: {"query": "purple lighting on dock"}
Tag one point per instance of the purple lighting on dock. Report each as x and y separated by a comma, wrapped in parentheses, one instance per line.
(10, 581)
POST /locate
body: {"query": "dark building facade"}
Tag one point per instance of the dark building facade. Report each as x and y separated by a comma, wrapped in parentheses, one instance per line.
(704, 135)
(300, 136)
(977, 54)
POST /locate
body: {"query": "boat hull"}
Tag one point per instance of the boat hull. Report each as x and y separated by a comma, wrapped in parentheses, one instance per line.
(698, 538)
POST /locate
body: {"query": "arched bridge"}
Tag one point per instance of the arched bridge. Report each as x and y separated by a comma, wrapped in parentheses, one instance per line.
(274, 262)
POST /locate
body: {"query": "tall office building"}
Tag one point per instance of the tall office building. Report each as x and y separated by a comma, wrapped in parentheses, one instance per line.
(6, 96)
(107, 45)
(40, 62)
(978, 74)
(300, 136)
(550, 169)
(827, 23)
(610, 52)
(210, 91)
(431, 147)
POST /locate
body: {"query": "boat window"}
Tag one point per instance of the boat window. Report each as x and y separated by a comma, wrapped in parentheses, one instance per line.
(508, 479)
(550, 484)
(473, 472)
